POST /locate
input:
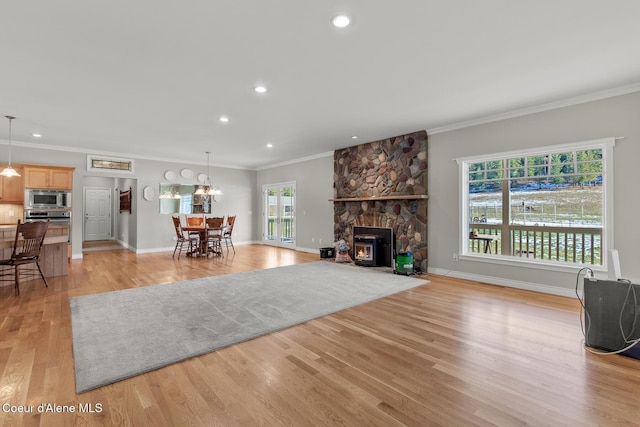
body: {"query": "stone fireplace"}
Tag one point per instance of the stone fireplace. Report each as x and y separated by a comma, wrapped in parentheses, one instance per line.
(384, 184)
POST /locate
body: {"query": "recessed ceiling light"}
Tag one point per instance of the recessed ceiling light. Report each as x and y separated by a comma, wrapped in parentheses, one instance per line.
(341, 21)
(354, 137)
(36, 135)
(269, 145)
(224, 119)
(260, 89)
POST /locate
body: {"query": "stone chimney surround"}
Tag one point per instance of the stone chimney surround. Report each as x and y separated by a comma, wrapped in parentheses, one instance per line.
(384, 184)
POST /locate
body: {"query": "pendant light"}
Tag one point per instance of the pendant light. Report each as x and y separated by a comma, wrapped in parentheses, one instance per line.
(208, 189)
(9, 171)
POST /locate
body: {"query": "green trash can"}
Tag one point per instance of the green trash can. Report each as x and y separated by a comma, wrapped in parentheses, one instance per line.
(404, 263)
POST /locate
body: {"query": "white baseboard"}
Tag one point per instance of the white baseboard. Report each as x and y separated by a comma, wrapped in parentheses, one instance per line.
(125, 245)
(154, 250)
(171, 248)
(309, 250)
(537, 287)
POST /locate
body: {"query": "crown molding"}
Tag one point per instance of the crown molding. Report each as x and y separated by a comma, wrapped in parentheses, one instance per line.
(38, 146)
(294, 161)
(582, 99)
(157, 159)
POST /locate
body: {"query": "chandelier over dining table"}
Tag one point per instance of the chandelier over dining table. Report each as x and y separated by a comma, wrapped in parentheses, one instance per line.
(208, 188)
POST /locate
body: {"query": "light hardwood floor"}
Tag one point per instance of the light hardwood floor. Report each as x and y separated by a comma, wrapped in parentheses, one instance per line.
(450, 353)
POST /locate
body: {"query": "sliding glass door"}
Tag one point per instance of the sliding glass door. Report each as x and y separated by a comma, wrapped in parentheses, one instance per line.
(279, 208)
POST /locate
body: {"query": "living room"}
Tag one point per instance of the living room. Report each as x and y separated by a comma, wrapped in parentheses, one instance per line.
(609, 113)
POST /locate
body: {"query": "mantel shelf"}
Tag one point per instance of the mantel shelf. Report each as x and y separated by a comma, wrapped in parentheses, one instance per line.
(368, 199)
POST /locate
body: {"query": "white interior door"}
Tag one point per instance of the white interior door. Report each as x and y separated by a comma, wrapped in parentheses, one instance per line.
(97, 214)
(279, 213)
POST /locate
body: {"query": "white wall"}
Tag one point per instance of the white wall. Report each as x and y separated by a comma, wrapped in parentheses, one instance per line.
(618, 117)
(314, 211)
(155, 231)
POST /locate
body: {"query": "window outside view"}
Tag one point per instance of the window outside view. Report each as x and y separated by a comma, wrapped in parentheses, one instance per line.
(546, 206)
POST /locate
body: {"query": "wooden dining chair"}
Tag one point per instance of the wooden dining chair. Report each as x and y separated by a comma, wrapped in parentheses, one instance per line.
(26, 251)
(226, 236)
(195, 221)
(214, 235)
(182, 238)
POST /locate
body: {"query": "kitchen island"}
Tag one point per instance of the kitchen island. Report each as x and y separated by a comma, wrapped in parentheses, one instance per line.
(54, 257)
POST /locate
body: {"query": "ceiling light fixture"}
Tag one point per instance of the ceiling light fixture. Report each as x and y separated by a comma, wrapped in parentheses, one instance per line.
(260, 89)
(269, 145)
(9, 171)
(341, 21)
(208, 189)
(224, 119)
(354, 137)
(36, 135)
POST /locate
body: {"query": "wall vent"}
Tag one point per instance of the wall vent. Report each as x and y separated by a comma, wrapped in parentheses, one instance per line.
(109, 164)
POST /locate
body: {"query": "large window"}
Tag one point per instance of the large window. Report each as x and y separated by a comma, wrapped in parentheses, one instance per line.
(550, 205)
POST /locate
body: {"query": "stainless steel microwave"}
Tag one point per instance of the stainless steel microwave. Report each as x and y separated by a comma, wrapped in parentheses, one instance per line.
(47, 199)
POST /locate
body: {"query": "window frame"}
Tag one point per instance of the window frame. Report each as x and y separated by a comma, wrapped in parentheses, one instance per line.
(607, 242)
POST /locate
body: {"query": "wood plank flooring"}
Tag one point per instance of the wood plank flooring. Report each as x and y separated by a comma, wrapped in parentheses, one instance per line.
(101, 245)
(449, 353)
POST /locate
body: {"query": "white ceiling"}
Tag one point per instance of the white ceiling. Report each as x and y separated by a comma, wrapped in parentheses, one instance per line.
(149, 78)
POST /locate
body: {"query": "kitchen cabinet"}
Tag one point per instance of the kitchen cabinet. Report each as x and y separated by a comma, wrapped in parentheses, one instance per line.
(49, 177)
(12, 189)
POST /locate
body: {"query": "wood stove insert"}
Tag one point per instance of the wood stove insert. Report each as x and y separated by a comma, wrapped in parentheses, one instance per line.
(380, 242)
(366, 250)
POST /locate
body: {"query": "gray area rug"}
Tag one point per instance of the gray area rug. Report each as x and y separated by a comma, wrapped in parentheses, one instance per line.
(117, 335)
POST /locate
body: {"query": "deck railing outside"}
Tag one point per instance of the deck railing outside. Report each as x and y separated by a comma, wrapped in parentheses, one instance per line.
(286, 229)
(568, 244)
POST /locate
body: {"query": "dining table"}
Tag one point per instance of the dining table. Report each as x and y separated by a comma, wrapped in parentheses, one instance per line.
(202, 249)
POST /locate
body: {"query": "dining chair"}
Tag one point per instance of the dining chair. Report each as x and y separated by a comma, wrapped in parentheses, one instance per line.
(214, 235)
(26, 251)
(182, 239)
(195, 221)
(228, 230)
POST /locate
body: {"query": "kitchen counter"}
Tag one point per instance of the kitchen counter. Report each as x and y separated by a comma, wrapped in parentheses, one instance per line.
(8, 231)
(13, 226)
(7, 243)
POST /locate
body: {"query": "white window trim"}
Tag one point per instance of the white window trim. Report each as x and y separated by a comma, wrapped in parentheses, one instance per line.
(607, 145)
